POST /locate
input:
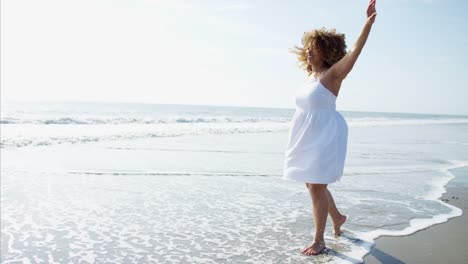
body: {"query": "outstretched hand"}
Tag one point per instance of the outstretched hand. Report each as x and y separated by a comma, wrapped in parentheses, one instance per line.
(371, 12)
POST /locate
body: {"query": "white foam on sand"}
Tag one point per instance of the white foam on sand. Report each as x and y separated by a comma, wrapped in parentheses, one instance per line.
(192, 218)
(364, 241)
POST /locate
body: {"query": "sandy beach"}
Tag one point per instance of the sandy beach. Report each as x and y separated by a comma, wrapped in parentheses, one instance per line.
(441, 243)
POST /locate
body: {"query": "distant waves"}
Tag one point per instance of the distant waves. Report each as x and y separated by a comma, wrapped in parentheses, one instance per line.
(352, 121)
(22, 132)
(132, 120)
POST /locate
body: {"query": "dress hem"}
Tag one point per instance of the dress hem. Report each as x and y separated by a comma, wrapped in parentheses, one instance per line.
(308, 181)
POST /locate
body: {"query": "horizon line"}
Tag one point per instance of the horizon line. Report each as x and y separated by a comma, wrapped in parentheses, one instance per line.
(241, 106)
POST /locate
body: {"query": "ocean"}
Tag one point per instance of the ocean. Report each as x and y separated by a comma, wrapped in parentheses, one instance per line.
(91, 182)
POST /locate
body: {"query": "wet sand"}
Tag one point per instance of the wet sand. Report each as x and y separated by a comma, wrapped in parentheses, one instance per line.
(441, 243)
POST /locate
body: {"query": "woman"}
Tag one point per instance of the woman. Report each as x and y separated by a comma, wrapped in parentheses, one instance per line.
(316, 148)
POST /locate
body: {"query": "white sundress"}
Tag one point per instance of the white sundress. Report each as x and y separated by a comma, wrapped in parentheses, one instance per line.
(318, 137)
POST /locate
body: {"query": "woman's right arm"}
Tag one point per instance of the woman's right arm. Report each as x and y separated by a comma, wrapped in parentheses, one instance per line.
(340, 69)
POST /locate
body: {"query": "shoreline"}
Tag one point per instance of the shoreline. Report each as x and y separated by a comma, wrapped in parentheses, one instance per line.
(440, 243)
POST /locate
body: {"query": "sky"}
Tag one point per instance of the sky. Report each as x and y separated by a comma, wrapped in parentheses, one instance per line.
(231, 52)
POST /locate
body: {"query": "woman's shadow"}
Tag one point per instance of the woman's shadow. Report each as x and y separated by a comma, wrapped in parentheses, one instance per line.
(379, 255)
(382, 257)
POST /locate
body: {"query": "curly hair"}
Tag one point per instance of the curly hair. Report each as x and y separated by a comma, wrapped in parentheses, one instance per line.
(331, 44)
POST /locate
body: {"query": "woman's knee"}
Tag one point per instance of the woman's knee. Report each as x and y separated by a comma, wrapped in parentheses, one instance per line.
(317, 188)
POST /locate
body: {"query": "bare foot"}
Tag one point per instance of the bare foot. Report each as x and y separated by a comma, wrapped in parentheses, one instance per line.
(316, 248)
(338, 225)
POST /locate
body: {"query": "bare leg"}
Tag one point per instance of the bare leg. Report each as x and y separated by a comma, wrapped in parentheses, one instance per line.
(320, 202)
(337, 217)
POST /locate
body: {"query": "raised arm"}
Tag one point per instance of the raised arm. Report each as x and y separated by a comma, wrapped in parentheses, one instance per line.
(341, 68)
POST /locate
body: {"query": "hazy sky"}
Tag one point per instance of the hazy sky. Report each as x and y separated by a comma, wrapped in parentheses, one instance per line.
(220, 52)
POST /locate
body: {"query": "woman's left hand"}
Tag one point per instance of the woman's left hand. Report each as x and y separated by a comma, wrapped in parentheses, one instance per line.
(371, 12)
